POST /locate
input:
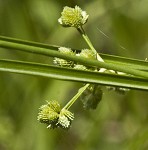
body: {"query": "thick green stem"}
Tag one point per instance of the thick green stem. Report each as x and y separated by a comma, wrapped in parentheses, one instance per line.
(81, 90)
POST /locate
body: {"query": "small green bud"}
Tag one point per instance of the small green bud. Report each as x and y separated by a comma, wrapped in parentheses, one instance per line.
(65, 50)
(87, 54)
(63, 62)
(73, 17)
(80, 67)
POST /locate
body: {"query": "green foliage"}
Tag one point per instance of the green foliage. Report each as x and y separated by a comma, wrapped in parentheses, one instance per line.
(119, 122)
(91, 97)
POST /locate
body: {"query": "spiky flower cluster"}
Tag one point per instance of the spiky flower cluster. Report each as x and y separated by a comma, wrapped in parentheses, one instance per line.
(85, 53)
(73, 17)
(63, 62)
(52, 115)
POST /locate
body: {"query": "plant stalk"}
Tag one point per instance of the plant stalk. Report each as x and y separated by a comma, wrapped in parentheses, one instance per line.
(72, 101)
(86, 38)
(52, 53)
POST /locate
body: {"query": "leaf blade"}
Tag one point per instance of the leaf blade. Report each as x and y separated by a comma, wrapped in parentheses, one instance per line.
(72, 74)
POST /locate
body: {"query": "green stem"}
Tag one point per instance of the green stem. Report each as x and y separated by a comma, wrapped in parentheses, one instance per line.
(52, 53)
(28, 43)
(86, 38)
(44, 70)
(81, 90)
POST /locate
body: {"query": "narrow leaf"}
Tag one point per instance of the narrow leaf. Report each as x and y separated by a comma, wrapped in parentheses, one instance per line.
(73, 75)
(128, 62)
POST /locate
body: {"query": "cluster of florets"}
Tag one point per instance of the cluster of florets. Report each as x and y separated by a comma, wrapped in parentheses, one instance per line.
(52, 115)
(73, 17)
(85, 53)
(63, 62)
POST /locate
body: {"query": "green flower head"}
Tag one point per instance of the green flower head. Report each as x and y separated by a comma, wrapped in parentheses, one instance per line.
(53, 116)
(87, 54)
(73, 17)
(49, 113)
(63, 62)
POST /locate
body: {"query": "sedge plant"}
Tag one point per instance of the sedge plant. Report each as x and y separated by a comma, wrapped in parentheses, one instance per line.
(90, 94)
(86, 65)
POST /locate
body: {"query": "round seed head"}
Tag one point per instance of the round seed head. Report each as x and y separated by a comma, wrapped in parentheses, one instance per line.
(73, 17)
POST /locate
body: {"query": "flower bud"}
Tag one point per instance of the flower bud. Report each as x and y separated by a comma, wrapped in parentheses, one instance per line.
(73, 17)
(63, 62)
(87, 54)
(80, 67)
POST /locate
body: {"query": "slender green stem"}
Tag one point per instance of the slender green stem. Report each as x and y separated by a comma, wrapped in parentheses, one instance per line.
(80, 91)
(82, 32)
(86, 38)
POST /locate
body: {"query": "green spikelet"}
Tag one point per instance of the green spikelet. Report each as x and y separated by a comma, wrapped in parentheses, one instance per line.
(63, 62)
(73, 17)
(87, 54)
(52, 115)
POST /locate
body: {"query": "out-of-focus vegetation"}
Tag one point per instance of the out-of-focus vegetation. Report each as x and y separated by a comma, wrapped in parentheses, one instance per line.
(120, 122)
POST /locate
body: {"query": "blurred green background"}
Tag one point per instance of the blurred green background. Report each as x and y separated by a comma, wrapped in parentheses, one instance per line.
(115, 27)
